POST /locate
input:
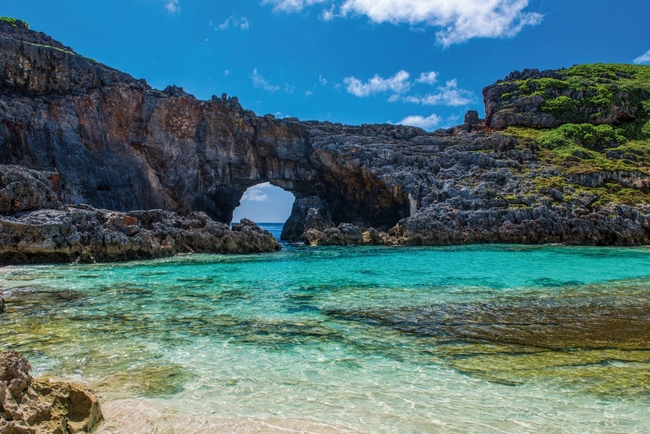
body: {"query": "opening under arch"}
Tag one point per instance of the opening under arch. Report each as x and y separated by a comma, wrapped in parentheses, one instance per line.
(265, 204)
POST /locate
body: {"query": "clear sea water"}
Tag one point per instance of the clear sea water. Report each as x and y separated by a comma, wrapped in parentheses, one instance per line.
(472, 339)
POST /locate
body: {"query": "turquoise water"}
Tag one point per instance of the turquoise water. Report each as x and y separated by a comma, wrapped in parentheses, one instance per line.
(374, 339)
(274, 228)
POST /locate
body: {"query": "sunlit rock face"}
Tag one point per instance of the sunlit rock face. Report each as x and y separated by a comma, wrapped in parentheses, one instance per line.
(118, 144)
(113, 142)
(31, 406)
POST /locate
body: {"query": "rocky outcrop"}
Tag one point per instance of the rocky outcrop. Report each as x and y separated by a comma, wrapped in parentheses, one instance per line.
(114, 143)
(82, 233)
(546, 99)
(347, 234)
(309, 213)
(22, 189)
(472, 123)
(619, 225)
(28, 406)
(56, 233)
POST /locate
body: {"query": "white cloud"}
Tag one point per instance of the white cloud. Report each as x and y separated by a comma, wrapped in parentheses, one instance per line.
(173, 6)
(259, 81)
(256, 193)
(449, 95)
(322, 80)
(291, 5)
(328, 14)
(224, 25)
(289, 89)
(309, 92)
(241, 22)
(428, 78)
(457, 20)
(421, 122)
(226, 73)
(644, 58)
(399, 83)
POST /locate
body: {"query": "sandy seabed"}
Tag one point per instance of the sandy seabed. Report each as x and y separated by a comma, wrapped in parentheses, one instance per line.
(134, 416)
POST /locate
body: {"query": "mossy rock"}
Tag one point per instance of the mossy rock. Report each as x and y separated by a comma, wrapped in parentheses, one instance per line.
(14, 22)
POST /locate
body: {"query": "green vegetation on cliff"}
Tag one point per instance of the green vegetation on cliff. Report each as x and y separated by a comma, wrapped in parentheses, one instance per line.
(14, 21)
(605, 115)
(594, 93)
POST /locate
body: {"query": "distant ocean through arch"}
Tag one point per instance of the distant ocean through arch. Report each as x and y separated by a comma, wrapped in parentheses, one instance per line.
(482, 338)
(274, 228)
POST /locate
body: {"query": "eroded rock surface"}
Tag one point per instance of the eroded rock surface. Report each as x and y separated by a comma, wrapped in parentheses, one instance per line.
(115, 143)
(307, 213)
(546, 99)
(22, 189)
(28, 406)
(87, 234)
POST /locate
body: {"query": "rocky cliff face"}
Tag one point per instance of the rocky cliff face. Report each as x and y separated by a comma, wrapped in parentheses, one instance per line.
(63, 113)
(115, 143)
(40, 229)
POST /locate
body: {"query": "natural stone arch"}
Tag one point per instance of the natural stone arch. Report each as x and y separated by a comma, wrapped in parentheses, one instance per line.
(118, 144)
(300, 158)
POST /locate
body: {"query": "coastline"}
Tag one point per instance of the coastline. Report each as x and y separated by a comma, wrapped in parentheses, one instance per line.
(491, 276)
(527, 173)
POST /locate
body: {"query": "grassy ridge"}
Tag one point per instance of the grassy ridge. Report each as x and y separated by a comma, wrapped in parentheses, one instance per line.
(591, 92)
(14, 21)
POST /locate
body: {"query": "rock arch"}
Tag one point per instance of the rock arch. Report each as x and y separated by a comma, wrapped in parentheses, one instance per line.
(118, 144)
(126, 147)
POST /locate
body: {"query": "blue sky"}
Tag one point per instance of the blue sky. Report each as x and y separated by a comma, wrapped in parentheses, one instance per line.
(265, 203)
(419, 62)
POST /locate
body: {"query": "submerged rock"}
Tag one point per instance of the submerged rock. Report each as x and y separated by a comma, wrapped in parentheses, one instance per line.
(28, 406)
(86, 234)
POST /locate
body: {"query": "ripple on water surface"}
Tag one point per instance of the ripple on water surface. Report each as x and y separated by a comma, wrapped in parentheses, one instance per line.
(470, 339)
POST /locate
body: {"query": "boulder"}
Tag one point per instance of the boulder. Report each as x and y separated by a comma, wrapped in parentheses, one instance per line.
(345, 234)
(307, 213)
(471, 118)
(28, 406)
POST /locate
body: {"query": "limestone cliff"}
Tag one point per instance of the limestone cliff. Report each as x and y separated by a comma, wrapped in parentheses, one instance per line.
(115, 143)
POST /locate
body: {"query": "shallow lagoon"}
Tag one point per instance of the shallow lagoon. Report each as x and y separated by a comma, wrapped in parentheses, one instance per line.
(368, 339)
